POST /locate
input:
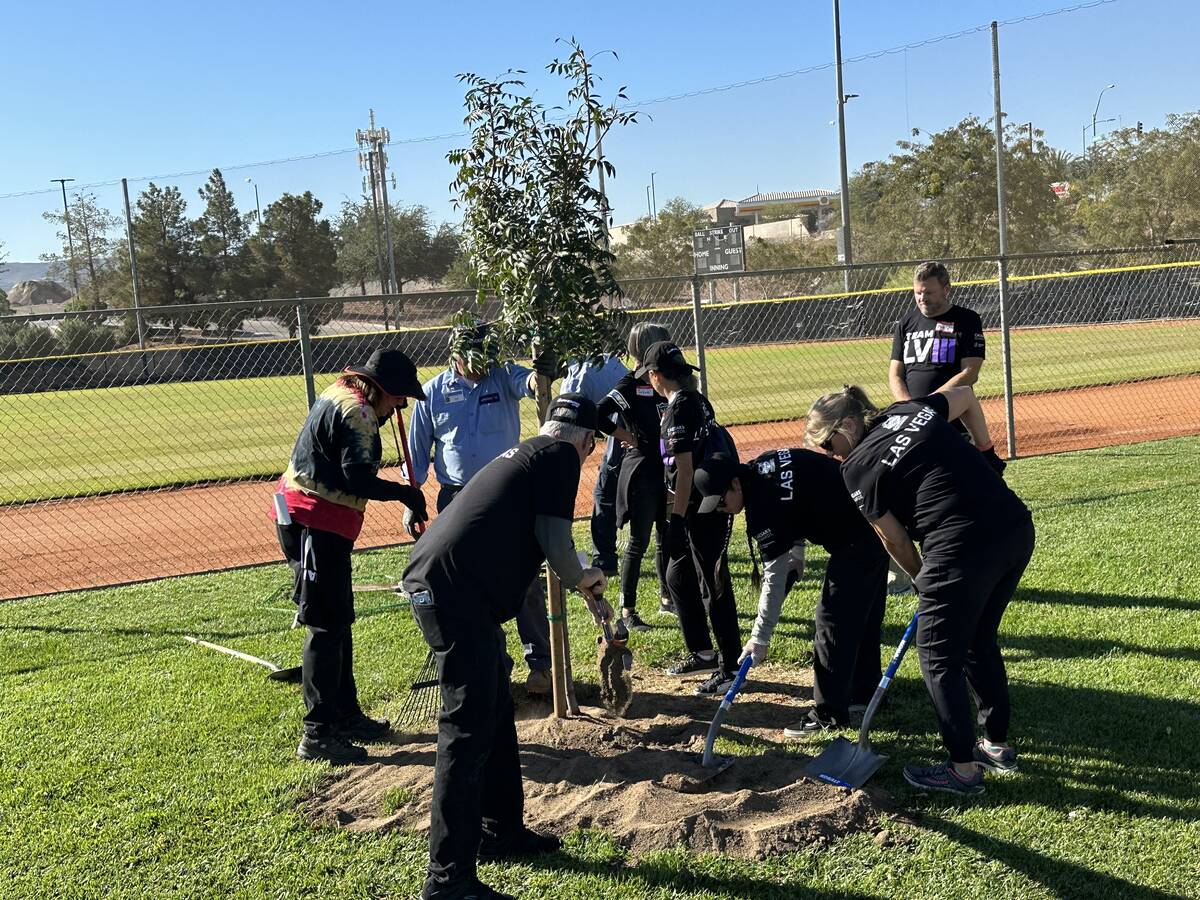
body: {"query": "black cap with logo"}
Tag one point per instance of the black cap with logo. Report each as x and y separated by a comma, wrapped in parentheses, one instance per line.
(665, 357)
(574, 409)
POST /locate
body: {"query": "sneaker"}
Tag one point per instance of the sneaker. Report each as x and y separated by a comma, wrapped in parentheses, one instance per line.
(717, 683)
(942, 777)
(538, 682)
(330, 747)
(477, 891)
(666, 607)
(998, 759)
(810, 725)
(527, 843)
(362, 728)
(632, 620)
(693, 664)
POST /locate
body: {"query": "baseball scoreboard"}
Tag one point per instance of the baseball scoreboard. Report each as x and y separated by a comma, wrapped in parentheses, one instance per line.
(720, 249)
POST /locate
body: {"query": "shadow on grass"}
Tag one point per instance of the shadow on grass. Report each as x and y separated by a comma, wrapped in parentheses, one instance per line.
(657, 874)
(1061, 877)
(1104, 601)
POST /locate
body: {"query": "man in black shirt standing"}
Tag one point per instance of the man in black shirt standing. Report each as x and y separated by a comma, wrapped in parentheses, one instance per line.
(791, 496)
(914, 479)
(467, 575)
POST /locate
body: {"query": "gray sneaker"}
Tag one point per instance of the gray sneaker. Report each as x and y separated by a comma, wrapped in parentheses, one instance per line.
(1000, 759)
(632, 620)
(943, 777)
(666, 607)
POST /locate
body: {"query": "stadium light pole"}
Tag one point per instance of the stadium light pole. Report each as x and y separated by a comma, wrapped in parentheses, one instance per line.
(847, 253)
(62, 182)
(1096, 111)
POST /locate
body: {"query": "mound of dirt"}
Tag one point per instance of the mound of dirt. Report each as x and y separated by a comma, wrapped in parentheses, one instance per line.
(638, 778)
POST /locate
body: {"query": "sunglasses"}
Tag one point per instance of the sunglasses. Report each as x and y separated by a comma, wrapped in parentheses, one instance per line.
(827, 444)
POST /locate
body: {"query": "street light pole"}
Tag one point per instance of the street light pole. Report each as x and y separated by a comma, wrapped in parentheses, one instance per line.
(649, 208)
(1096, 111)
(847, 250)
(67, 220)
(1093, 126)
(653, 198)
(257, 208)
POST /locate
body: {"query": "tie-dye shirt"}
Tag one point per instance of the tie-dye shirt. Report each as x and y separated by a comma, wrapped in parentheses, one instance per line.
(341, 430)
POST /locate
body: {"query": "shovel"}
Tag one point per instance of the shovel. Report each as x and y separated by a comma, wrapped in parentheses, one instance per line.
(616, 665)
(709, 760)
(851, 765)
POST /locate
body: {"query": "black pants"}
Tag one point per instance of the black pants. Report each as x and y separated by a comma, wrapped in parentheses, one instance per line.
(477, 776)
(848, 620)
(604, 508)
(533, 627)
(699, 583)
(646, 505)
(320, 561)
(962, 601)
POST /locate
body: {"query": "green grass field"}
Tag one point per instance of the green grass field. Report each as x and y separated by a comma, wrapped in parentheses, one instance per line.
(136, 765)
(167, 434)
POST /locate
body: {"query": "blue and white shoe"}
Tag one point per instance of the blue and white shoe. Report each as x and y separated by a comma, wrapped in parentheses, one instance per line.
(943, 777)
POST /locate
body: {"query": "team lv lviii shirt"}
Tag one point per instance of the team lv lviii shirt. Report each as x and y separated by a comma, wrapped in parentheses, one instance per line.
(932, 350)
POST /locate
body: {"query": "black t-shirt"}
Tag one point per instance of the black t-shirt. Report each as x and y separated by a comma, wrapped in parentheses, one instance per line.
(482, 547)
(640, 411)
(798, 494)
(682, 426)
(932, 350)
(913, 464)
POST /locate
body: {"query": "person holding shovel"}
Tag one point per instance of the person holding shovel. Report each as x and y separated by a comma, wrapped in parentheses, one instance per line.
(319, 508)
(467, 576)
(791, 496)
(915, 479)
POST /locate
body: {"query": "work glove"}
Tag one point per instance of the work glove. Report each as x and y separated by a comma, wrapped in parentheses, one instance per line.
(755, 649)
(992, 459)
(414, 526)
(546, 363)
(414, 499)
(677, 540)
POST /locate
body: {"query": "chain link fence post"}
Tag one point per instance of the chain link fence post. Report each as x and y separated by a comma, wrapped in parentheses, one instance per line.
(306, 351)
(698, 327)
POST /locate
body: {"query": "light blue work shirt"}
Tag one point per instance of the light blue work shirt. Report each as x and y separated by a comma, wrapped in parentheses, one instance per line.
(594, 378)
(466, 425)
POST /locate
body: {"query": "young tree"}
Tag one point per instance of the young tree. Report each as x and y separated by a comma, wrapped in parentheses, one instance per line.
(91, 227)
(534, 224)
(663, 246)
(225, 267)
(297, 252)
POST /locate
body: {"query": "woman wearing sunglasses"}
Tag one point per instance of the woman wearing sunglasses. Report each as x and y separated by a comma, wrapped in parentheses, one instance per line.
(916, 480)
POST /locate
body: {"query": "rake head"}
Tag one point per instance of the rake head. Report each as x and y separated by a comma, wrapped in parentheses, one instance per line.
(424, 699)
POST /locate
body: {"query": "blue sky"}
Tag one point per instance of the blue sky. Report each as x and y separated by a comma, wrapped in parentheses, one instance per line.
(101, 91)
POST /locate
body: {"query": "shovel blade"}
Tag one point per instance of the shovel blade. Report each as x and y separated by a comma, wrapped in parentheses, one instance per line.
(291, 675)
(845, 764)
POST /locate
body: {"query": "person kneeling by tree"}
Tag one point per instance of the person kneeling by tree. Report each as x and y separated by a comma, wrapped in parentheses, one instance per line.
(791, 496)
(332, 474)
(468, 575)
(915, 479)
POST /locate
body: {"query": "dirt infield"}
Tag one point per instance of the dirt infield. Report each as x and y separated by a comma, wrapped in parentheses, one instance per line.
(116, 539)
(637, 778)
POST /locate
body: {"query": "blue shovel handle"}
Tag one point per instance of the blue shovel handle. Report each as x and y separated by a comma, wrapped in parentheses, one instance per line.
(738, 680)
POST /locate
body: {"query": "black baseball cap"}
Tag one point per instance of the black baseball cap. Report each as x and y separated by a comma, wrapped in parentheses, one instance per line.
(712, 480)
(392, 372)
(574, 409)
(665, 357)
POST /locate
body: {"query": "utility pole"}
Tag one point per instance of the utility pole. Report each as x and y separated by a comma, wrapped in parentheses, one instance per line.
(374, 139)
(1002, 226)
(133, 272)
(62, 182)
(653, 198)
(257, 207)
(846, 248)
(649, 208)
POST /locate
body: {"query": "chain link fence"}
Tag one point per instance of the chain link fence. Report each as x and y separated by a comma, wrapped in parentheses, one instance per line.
(145, 443)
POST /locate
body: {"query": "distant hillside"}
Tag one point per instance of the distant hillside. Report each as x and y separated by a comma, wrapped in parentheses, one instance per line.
(22, 271)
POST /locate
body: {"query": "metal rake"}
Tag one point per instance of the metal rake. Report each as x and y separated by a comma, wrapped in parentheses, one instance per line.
(424, 699)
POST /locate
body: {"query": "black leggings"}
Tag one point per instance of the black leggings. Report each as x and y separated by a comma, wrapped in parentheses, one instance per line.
(699, 582)
(963, 598)
(647, 506)
(848, 619)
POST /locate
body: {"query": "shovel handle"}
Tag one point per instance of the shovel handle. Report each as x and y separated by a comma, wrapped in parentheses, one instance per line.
(864, 739)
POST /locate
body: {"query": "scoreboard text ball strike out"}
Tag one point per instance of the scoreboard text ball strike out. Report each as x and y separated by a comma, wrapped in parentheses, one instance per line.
(719, 250)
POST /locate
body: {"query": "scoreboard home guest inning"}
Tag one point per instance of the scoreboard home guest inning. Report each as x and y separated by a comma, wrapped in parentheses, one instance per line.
(719, 250)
